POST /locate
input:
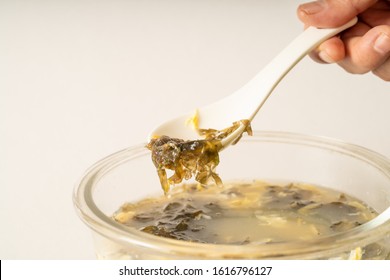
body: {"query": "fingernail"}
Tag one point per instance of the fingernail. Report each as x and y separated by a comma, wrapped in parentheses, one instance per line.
(382, 43)
(312, 7)
(325, 57)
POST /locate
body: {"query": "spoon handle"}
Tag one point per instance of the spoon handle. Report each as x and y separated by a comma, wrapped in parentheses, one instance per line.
(273, 73)
(247, 101)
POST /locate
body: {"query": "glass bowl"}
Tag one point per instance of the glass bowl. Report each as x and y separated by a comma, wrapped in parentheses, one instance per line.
(129, 175)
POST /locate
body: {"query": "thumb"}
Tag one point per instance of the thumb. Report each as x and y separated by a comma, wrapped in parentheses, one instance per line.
(331, 13)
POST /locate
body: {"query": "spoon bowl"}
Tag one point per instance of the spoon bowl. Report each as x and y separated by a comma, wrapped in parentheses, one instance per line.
(247, 101)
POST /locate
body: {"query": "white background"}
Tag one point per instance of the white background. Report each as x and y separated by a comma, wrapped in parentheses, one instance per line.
(82, 79)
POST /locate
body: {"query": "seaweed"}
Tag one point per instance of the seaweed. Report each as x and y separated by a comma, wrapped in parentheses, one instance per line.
(191, 158)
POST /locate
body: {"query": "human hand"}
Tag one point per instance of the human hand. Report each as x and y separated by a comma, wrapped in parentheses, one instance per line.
(364, 47)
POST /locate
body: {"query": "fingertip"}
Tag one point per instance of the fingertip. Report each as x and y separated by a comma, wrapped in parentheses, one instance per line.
(321, 14)
(330, 51)
(325, 57)
(334, 48)
(306, 12)
(326, 13)
(382, 43)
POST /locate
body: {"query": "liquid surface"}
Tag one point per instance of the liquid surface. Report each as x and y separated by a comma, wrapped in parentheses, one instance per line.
(246, 213)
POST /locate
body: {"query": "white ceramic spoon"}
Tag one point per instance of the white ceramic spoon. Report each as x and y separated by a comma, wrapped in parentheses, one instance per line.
(246, 102)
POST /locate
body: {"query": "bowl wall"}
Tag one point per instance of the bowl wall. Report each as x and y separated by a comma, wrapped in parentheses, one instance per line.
(277, 157)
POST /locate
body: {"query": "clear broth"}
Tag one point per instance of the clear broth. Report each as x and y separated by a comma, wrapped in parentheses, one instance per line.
(246, 213)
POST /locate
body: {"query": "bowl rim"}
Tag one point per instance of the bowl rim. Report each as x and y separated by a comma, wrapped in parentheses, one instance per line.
(366, 233)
